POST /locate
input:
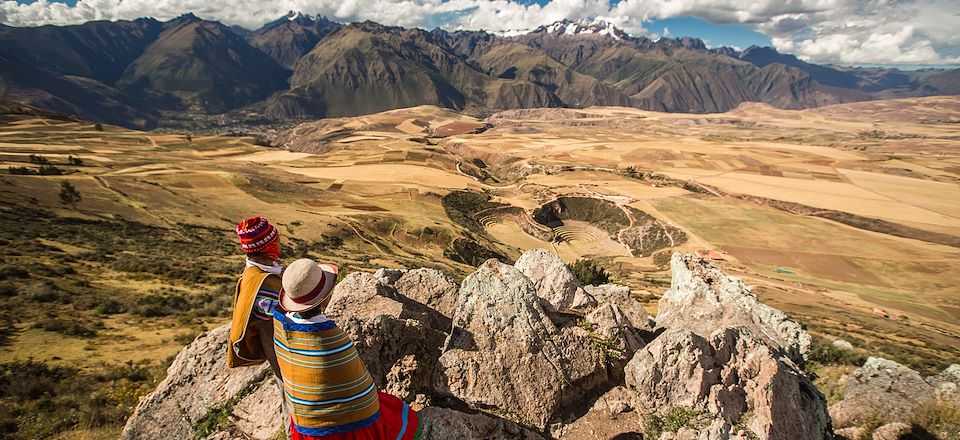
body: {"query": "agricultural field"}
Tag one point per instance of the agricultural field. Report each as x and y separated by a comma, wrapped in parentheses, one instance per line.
(846, 217)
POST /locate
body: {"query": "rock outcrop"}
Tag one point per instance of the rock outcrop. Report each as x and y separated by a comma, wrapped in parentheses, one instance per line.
(504, 352)
(512, 353)
(886, 391)
(554, 282)
(702, 298)
(198, 381)
(734, 379)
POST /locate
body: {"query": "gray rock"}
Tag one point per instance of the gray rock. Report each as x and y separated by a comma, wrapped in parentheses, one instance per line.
(616, 401)
(851, 433)
(947, 384)
(622, 298)
(197, 381)
(553, 281)
(364, 295)
(257, 416)
(431, 288)
(400, 354)
(389, 276)
(881, 388)
(733, 376)
(505, 353)
(448, 424)
(611, 325)
(702, 298)
(891, 431)
(842, 345)
(583, 301)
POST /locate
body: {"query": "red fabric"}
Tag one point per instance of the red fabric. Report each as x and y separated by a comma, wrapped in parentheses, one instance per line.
(386, 427)
(272, 250)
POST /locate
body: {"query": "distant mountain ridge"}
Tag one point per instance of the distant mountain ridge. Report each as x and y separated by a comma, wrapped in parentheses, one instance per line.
(300, 66)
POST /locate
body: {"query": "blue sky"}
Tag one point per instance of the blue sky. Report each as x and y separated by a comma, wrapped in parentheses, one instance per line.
(903, 33)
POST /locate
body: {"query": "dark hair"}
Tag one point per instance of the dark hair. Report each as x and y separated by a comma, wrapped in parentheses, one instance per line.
(307, 314)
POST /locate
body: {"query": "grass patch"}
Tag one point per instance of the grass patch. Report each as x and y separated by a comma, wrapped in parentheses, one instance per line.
(676, 417)
(940, 419)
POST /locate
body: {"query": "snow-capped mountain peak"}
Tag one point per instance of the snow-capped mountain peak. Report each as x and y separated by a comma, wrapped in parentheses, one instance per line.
(583, 27)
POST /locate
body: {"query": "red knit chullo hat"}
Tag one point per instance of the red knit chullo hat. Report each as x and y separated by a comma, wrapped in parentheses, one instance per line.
(257, 235)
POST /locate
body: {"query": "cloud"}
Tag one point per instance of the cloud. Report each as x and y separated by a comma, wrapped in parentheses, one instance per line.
(823, 31)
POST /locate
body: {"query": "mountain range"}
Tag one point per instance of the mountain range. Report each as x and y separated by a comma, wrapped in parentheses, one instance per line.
(309, 67)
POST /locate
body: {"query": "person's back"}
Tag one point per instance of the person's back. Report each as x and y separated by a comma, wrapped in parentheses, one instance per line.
(256, 295)
(327, 388)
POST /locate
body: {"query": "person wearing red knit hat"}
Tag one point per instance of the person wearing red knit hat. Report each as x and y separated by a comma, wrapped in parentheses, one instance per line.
(256, 297)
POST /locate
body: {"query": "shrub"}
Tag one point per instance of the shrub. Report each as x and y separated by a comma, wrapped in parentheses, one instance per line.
(35, 158)
(7, 289)
(589, 273)
(110, 307)
(69, 194)
(825, 353)
(10, 272)
(70, 327)
(38, 400)
(41, 292)
(677, 417)
(49, 170)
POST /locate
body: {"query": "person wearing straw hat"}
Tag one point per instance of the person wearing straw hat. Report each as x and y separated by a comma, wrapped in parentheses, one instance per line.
(327, 389)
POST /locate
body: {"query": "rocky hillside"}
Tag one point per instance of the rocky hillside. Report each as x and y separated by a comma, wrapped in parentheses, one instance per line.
(526, 351)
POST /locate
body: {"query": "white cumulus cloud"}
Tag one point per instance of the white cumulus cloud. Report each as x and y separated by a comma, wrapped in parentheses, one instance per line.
(910, 32)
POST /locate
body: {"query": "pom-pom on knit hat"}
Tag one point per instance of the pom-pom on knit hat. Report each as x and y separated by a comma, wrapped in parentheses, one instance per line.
(256, 233)
(306, 283)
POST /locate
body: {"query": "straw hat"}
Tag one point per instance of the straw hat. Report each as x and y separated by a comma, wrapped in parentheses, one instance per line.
(306, 283)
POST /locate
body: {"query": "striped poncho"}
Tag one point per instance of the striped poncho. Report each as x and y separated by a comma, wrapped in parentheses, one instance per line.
(326, 386)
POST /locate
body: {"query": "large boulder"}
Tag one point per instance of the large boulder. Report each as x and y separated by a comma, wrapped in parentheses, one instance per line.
(881, 388)
(553, 281)
(947, 384)
(621, 297)
(505, 353)
(198, 381)
(449, 424)
(734, 379)
(702, 298)
(365, 295)
(431, 288)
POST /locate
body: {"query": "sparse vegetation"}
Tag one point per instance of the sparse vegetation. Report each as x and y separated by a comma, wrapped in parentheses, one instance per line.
(825, 353)
(218, 416)
(589, 272)
(69, 194)
(674, 419)
(606, 348)
(38, 400)
(941, 419)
